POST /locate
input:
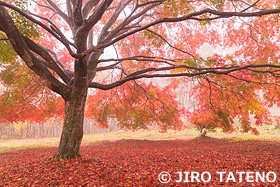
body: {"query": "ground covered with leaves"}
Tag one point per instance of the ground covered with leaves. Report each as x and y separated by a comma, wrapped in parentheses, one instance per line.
(139, 163)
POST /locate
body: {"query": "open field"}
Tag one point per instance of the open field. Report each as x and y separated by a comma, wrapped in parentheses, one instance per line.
(266, 133)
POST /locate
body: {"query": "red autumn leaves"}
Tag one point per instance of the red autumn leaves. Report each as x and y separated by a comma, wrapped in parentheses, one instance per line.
(139, 162)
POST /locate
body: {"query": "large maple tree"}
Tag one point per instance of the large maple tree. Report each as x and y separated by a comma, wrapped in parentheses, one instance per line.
(149, 39)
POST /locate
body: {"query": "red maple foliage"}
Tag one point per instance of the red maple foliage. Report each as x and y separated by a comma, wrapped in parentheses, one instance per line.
(149, 39)
(139, 162)
(249, 37)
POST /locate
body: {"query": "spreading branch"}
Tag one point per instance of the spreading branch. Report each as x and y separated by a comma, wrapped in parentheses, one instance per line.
(189, 16)
(199, 71)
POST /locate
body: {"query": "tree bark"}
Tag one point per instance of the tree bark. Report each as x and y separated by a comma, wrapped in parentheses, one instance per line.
(72, 132)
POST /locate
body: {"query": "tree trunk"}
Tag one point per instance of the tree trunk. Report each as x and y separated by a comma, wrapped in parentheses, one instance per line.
(72, 132)
(203, 133)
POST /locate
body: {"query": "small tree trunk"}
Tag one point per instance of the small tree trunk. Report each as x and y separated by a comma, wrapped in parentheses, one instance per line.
(203, 133)
(72, 132)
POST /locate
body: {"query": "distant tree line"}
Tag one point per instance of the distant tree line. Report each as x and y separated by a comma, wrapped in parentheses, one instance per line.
(52, 128)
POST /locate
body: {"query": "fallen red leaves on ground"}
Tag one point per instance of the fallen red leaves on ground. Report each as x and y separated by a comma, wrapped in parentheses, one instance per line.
(139, 162)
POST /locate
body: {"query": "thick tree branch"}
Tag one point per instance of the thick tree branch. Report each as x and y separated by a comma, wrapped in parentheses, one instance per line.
(88, 6)
(200, 71)
(114, 17)
(139, 58)
(77, 15)
(8, 26)
(53, 31)
(142, 59)
(130, 18)
(69, 11)
(112, 66)
(51, 63)
(95, 17)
